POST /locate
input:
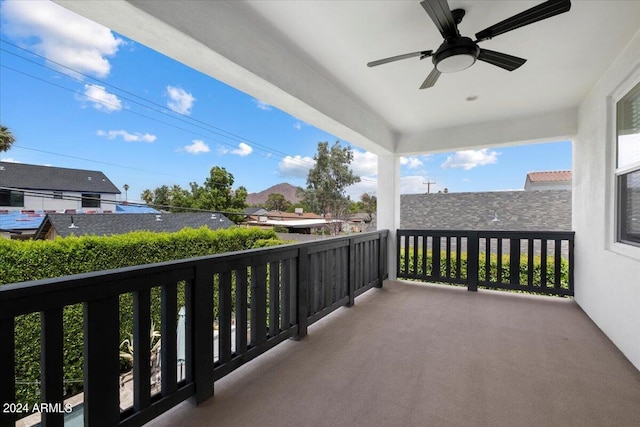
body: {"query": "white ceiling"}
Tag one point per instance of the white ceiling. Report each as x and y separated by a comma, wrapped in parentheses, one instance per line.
(309, 59)
(566, 54)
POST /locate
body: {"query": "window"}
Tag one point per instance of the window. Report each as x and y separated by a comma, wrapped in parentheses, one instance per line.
(628, 167)
(90, 200)
(12, 198)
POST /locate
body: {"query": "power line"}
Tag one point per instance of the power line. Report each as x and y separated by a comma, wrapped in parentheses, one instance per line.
(163, 110)
(112, 201)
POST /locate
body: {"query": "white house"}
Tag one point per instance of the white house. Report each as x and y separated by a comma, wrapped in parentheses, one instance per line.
(45, 188)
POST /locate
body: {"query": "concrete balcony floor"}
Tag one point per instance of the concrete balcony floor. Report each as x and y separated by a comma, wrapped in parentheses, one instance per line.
(429, 355)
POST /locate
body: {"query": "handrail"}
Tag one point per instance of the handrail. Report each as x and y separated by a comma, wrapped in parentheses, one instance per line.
(279, 291)
(489, 258)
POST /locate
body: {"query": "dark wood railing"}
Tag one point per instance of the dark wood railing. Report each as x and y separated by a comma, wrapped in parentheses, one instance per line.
(533, 261)
(270, 294)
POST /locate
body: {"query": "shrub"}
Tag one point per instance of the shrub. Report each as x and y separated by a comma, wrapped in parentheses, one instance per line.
(493, 268)
(41, 259)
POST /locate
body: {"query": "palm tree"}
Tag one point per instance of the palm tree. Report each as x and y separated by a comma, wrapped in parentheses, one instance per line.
(147, 196)
(6, 138)
(126, 188)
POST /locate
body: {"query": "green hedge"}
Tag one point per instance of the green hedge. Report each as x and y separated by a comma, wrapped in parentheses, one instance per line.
(41, 259)
(493, 268)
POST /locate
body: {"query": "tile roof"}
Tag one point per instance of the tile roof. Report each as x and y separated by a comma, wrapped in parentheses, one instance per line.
(108, 224)
(34, 177)
(550, 176)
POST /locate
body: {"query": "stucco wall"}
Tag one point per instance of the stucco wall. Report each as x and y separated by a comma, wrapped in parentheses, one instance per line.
(607, 276)
(71, 201)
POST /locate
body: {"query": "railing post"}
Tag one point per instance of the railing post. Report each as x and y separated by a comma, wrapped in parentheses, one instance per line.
(473, 251)
(351, 279)
(101, 362)
(381, 259)
(202, 327)
(51, 364)
(302, 293)
(514, 261)
(7, 369)
(571, 243)
(168, 349)
(141, 349)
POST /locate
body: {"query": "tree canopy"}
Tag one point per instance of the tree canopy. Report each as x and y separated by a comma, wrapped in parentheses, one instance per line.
(328, 179)
(215, 194)
(277, 202)
(6, 138)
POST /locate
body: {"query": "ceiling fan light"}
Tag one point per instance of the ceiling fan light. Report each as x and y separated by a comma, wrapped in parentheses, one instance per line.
(454, 63)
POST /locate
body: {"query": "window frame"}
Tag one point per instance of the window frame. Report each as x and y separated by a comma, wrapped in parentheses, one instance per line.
(91, 200)
(14, 195)
(622, 237)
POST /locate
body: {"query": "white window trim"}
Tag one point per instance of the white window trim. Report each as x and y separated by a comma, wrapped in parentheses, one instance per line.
(613, 172)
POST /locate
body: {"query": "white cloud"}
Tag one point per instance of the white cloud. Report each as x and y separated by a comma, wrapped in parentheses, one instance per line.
(180, 100)
(298, 125)
(198, 146)
(262, 105)
(60, 35)
(243, 150)
(295, 166)
(364, 163)
(128, 137)
(411, 162)
(100, 98)
(469, 159)
(364, 186)
(9, 160)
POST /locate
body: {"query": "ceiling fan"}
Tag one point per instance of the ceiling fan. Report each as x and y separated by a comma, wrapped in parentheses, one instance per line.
(457, 52)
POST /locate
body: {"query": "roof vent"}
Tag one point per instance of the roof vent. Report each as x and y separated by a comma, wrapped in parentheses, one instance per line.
(72, 224)
(158, 217)
(299, 211)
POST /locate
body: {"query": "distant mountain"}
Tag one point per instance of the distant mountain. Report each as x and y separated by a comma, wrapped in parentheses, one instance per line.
(287, 190)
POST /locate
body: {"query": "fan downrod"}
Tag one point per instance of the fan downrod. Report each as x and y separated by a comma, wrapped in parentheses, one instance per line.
(458, 14)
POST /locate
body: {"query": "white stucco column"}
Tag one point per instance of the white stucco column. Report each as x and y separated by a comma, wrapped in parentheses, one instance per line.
(388, 214)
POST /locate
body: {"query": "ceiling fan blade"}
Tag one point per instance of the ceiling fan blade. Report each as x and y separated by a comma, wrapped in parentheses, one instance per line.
(432, 78)
(537, 13)
(423, 53)
(501, 60)
(440, 14)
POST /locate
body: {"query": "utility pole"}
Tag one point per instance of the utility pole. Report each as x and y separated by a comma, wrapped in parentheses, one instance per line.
(429, 185)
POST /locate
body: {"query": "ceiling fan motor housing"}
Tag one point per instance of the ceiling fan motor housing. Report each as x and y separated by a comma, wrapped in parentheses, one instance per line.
(456, 54)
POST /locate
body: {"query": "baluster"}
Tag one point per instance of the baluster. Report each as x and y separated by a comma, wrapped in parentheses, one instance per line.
(101, 362)
(224, 317)
(51, 364)
(141, 349)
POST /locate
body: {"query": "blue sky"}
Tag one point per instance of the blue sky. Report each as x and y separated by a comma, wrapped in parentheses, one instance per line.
(78, 95)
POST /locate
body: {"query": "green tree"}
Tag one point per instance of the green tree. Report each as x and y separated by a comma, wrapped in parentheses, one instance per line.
(277, 202)
(369, 204)
(126, 189)
(216, 194)
(147, 196)
(6, 138)
(327, 182)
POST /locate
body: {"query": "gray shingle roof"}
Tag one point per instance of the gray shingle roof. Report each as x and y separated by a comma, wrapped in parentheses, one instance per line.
(34, 177)
(515, 210)
(108, 224)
